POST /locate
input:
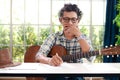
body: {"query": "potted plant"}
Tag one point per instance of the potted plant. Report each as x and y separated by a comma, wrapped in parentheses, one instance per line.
(117, 21)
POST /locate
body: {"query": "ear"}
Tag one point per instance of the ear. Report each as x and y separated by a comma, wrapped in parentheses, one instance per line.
(60, 19)
(78, 20)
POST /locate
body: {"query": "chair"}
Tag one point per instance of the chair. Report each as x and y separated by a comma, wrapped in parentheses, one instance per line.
(30, 57)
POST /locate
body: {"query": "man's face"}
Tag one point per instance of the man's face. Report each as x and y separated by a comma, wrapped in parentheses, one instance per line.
(69, 19)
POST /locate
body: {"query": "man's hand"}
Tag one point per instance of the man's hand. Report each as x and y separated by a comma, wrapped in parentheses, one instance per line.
(55, 60)
(72, 30)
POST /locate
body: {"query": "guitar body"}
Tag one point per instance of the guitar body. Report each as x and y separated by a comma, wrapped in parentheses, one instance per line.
(60, 50)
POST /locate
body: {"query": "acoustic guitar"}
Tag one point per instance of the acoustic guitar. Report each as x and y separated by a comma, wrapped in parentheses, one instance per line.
(62, 52)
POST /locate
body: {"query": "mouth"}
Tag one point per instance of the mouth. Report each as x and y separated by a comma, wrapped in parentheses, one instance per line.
(66, 28)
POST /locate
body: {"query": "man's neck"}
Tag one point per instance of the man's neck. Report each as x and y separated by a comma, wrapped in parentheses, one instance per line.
(69, 37)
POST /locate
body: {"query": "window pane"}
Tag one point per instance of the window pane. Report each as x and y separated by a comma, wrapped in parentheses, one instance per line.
(97, 37)
(18, 34)
(24, 35)
(4, 11)
(55, 10)
(4, 35)
(71, 1)
(31, 32)
(44, 11)
(98, 12)
(18, 11)
(18, 53)
(84, 6)
(44, 31)
(85, 30)
(31, 11)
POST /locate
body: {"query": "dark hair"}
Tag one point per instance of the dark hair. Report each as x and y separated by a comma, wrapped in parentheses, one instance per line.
(70, 7)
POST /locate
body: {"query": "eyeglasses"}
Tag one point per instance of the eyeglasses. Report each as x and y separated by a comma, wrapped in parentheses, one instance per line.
(66, 19)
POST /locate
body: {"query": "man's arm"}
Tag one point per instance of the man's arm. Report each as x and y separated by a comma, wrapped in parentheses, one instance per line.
(54, 61)
(83, 43)
(77, 33)
(44, 50)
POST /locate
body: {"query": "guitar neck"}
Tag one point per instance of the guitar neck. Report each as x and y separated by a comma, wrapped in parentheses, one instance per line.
(72, 57)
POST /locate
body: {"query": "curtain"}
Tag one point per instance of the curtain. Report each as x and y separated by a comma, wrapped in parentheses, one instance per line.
(110, 31)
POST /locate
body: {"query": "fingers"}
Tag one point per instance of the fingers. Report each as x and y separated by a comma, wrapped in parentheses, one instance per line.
(59, 58)
(73, 29)
(56, 60)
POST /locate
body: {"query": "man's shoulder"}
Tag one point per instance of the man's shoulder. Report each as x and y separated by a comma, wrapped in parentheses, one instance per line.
(56, 34)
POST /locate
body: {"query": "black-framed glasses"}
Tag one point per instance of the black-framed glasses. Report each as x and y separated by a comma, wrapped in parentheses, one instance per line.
(67, 19)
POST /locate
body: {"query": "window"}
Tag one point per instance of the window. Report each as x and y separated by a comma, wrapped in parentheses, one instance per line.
(27, 22)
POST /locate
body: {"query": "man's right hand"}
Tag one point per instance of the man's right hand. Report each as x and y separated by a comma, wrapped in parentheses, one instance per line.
(56, 60)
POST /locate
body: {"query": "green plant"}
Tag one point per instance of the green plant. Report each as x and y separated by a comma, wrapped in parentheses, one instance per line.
(4, 37)
(117, 21)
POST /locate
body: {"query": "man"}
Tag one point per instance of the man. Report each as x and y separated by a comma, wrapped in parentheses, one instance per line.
(71, 38)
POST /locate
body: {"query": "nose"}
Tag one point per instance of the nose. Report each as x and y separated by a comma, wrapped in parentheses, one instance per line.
(70, 22)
